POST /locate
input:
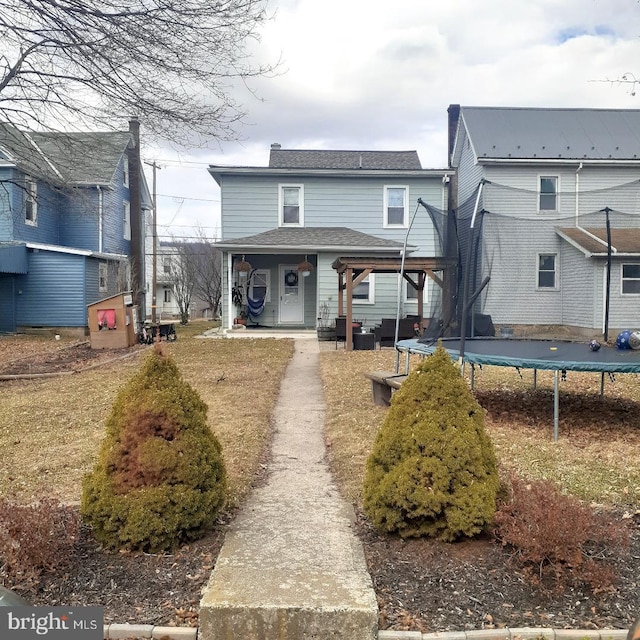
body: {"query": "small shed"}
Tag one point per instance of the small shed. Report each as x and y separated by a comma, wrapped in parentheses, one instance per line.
(113, 322)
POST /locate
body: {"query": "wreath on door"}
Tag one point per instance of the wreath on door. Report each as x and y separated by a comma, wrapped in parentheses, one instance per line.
(291, 279)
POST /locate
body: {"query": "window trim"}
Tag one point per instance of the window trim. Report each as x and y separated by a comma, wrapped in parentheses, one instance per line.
(414, 301)
(125, 170)
(545, 176)
(281, 188)
(556, 275)
(103, 277)
(126, 220)
(385, 208)
(623, 279)
(31, 197)
(371, 279)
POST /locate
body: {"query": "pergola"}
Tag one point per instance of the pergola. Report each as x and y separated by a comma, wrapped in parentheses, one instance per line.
(352, 271)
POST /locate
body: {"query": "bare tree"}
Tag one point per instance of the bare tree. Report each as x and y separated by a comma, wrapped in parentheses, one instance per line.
(206, 271)
(95, 62)
(182, 279)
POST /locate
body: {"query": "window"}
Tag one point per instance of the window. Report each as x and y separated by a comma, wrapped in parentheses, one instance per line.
(411, 294)
(126, 220)
(291, 205)
(548, 193)
(125, 171)
(363, 293)
(103, 276)
(630, 279)
(167, 295)
(259, 285)
(30, 202)
(395, 206)
(547, 271)
(166, 266)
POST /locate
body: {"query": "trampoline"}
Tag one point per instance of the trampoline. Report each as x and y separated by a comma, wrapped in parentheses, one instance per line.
(551, 355)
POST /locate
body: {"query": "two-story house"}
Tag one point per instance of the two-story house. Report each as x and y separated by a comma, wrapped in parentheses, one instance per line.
(284, 226)
(554, 196)
(71, 224)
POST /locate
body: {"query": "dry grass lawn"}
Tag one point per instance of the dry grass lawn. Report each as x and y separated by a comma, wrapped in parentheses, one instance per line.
(51, 428)
(597, 457)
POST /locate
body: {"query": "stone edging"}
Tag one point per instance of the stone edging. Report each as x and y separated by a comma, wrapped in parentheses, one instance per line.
(136, 631)
(523, 633)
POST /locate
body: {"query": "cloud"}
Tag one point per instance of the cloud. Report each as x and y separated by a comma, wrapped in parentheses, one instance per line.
(364, 74)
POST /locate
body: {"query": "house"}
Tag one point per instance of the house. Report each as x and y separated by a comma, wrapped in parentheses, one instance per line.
(71, 224)
(183, 269)
(284, 226)
(554, 196)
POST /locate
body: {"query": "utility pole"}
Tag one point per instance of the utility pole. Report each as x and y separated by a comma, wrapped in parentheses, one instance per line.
(154, 272)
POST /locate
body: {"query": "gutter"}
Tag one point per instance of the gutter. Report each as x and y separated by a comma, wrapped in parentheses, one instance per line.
(266, 249)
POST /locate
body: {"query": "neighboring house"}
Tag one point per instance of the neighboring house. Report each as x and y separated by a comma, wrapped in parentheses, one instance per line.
(71, 224)
(284, 225)
(169, 264)
(550, 179)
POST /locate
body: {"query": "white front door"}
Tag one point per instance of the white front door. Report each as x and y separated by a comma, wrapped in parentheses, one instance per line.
(291, 287)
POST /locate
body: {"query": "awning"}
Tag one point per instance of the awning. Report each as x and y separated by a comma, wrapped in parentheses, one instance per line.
(13, 257)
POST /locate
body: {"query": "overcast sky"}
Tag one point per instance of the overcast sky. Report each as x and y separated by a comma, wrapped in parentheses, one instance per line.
(374, 75)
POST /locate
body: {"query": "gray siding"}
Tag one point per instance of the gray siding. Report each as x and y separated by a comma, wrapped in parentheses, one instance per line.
(250, 205)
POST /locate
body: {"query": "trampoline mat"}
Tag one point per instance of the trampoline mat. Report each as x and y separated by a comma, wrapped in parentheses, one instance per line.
(554, 355)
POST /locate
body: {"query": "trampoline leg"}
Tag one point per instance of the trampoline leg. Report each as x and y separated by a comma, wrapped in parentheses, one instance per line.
(602, 385)
(535, 379)
(556, 406)
(406, 362)
(473, 377)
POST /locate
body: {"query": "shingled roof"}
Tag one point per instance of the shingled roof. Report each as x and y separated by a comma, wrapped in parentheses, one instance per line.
(593, 241)
(312, 238)
(70, 158)
(316, 159)
(533, 133)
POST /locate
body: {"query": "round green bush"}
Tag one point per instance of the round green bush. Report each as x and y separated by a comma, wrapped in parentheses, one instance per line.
(432, 471)
(160, 478)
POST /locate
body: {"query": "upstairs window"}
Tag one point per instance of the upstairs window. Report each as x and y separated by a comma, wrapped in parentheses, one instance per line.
(166, 266)
(548, 193)
(630, 279)
(395, 206)
(291, 205)
(125, 171)
(30, 202)
(103, 277)
(547, 271)
(126, 220)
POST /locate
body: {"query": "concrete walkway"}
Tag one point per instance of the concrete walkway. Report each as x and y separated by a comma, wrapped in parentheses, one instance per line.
(291, 567)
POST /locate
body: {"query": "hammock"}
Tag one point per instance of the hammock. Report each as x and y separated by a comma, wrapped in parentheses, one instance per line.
(255, 307)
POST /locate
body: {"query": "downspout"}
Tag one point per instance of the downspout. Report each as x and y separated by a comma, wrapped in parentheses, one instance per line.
(578, 170)
(229, 319)
(100, 220)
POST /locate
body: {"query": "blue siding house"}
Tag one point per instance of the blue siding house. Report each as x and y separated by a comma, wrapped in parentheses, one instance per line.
(71, 231)
(284, 226)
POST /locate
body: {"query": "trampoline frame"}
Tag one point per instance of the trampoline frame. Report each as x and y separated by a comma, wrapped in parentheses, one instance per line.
(551, 355)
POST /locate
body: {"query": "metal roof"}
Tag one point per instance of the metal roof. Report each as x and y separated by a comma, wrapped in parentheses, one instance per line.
(312, 239)
(320, 159)
(508, 133)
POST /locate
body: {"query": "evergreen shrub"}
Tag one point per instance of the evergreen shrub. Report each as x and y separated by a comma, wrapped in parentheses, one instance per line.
(160, 478)
(433, 470)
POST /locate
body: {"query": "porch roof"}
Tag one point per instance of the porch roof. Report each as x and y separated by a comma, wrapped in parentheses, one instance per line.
(592, 241)
(311, 239)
